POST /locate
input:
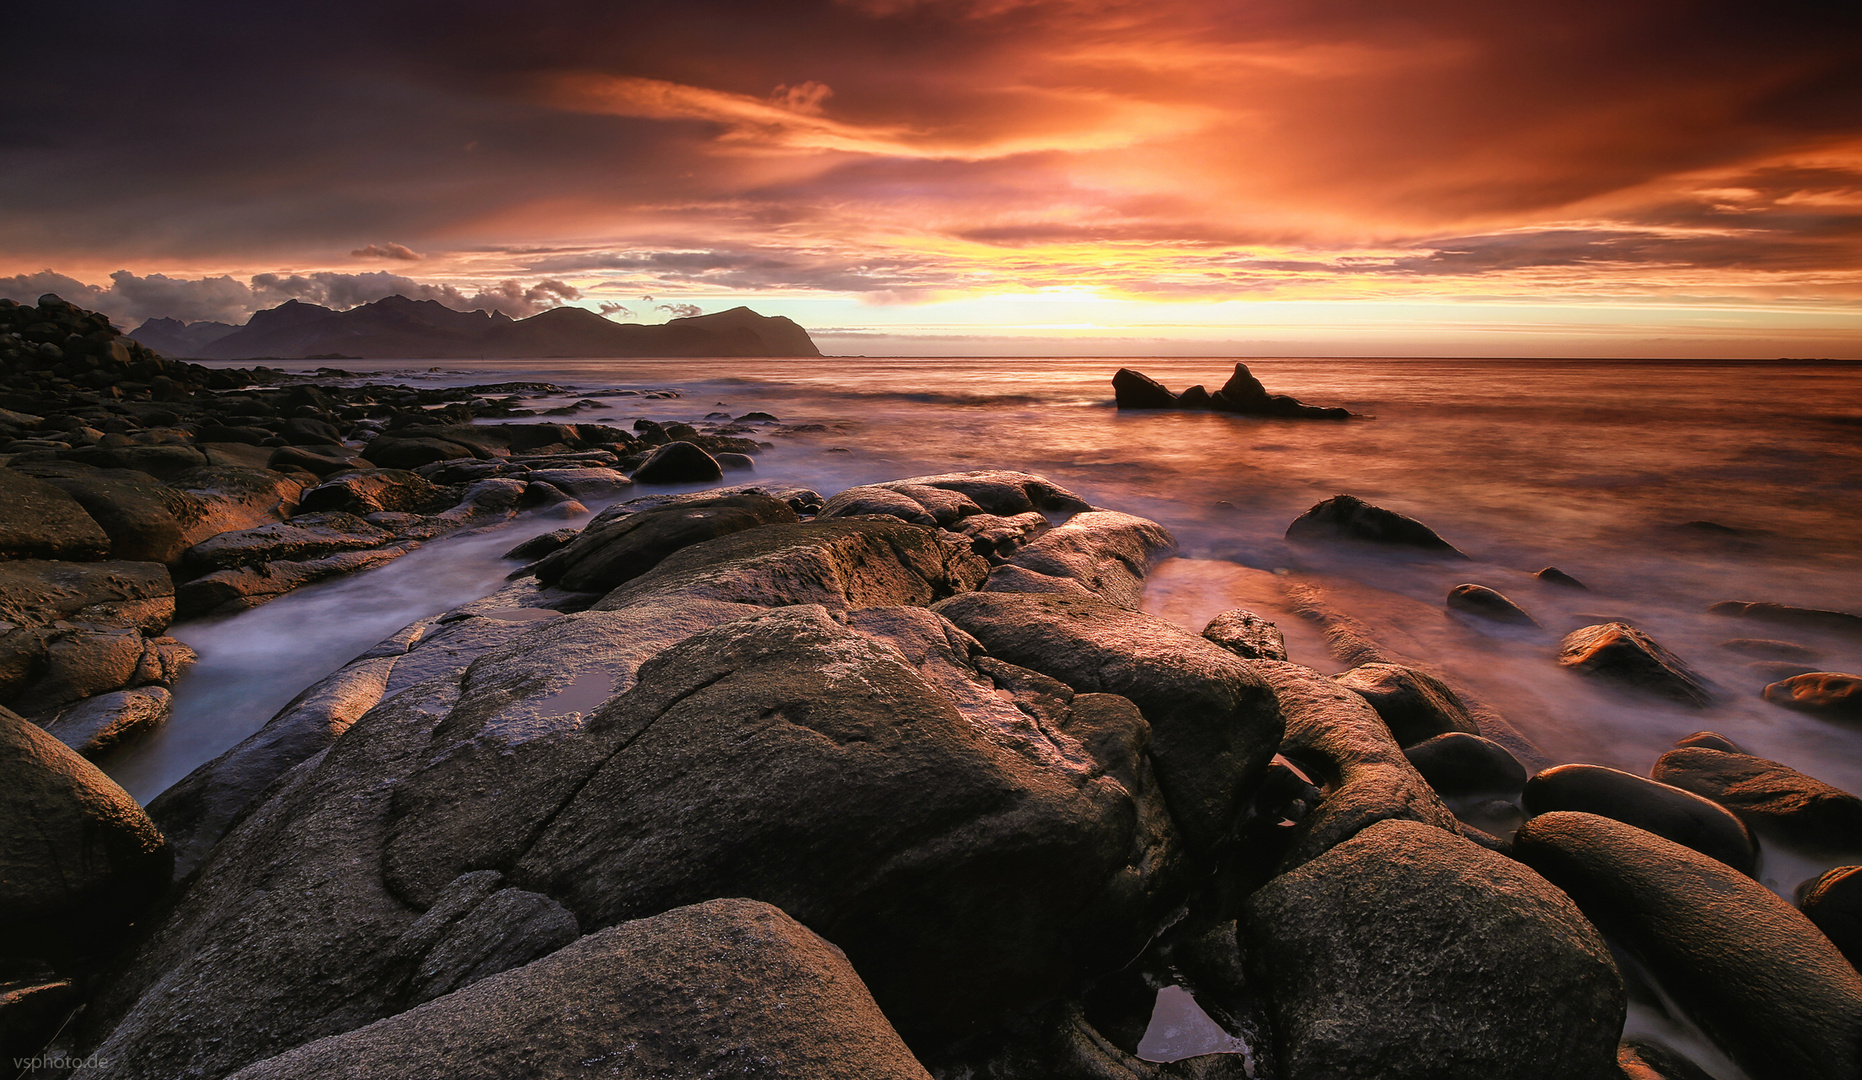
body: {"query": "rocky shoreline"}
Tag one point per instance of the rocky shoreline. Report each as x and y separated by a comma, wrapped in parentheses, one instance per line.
(138, 490)
(894, 782)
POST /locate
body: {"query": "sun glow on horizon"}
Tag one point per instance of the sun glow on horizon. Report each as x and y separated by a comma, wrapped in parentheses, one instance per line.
(1455, 180)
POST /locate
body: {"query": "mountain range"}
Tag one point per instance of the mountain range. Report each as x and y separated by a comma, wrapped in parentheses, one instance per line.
(397, 328)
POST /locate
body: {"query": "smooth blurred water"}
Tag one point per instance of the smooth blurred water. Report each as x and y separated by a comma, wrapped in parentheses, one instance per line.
(1603, 468)
(1597, 467)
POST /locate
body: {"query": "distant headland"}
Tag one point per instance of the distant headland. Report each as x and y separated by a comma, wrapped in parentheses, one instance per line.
(396, 328)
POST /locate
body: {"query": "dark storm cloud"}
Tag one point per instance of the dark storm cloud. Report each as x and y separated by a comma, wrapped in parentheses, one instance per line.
(220, 134)
(130, 298)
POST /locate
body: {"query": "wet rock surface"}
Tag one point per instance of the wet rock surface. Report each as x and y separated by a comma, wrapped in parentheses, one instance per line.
(1014, 818)
(1790, 1009)
(1833, 901)
(1829, 694)
(1242, 394)
(645, 998)
(1622, 654)
(1414, 704)
(610, 553)
(1214, 723)
(1457, 763)
(1666, 811)
(1769, 797)
(1485, 603)
(1380, 957)
(1347, 517)
(97, 725)
(79, 860)
(1336, 738)
(1247, 635)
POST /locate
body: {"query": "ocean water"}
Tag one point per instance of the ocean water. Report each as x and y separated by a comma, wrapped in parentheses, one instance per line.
(1665, 486)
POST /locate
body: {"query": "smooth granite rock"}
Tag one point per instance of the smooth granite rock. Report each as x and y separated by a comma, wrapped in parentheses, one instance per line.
(1214, 723)
(1667, 811)
(1347, 517)
(726, 988)
(1622, 654)
(1756, 975)
(1408, 952)
(79, 860)
(1414, 704)
(1771, 798)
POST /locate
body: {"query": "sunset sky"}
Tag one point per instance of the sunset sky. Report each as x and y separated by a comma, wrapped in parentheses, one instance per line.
(1252, 177)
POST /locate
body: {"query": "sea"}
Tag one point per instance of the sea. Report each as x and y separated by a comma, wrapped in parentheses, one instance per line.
(1663, 486)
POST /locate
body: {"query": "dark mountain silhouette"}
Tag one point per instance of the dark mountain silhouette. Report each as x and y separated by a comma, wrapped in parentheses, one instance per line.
(397, 328)
(176, 338)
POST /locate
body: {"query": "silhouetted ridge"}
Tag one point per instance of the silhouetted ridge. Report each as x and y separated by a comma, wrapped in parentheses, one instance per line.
(397, 328)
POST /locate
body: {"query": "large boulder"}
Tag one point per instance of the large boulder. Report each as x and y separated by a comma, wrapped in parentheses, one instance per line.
(841, 564)
(39, 521)
(370, 491)
(1665, 810)
(1833, 900)
(1107, 552)
(1774, 799)
(998, 491)
(906, 814)
(310, 536)
(1347, 517)
(1407, 952)
(1415, 705)
(726, 987)
(1456, 763)
(96, 726)
(79, 860)
(1756, 975)
(613, 552)
(146, 520)
(1214, 723)
(967, 854)
(678, 463)
(1044, 794)
(1620, 653)
(1336, 738)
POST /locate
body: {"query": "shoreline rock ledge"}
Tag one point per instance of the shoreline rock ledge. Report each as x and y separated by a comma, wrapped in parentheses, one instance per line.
(900, 783)
(1242, 394)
